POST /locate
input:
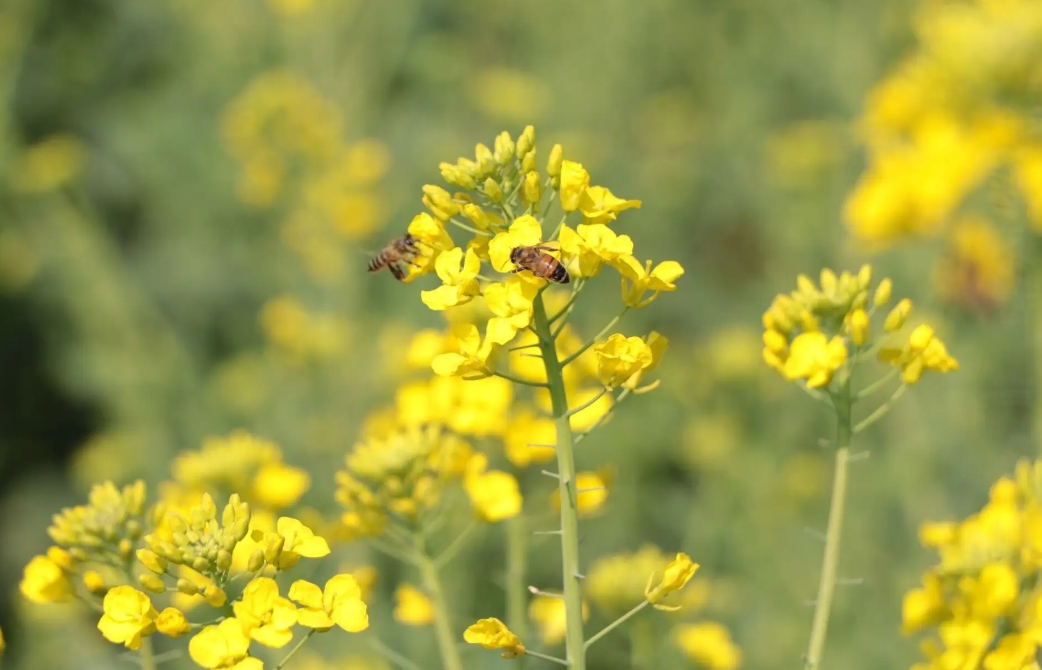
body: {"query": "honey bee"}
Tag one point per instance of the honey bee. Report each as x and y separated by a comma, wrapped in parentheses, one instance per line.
(398, 252)
(538, 262)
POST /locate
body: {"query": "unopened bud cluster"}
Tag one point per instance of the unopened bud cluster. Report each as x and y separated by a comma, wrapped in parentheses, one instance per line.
(105, 530)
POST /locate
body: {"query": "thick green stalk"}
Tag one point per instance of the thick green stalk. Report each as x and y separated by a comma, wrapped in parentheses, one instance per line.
(830, 562)
(570, 574)
(447, 643)
(517, 560)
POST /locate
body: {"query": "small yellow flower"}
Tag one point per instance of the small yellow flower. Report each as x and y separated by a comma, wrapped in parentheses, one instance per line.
(128, 617)
(339, 604)
(548, 614)
(45, 582)
(471, 359)
(152, 561)
(898, 315)
(224, 646)
(278, 486)
(812, 356)
(621, 357)
(291, 541)
(674, 577)
(94, 582)
(923, 607)
(574, 181)
(708, 644)
(525, 231)
(460, 282)
(172, 622)
(412, 607)
(599, 205)
(924, 351)
(512, 303)
(266, 616)
(638, 280)
(592, 245)
(493, 634)
(658, 345)
(495, 495)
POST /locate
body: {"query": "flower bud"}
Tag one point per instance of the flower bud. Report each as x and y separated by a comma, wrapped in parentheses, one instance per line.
(441, 199)
(477, 216)
(187, 587)
(864, 277)
(492, 190)
(829, 283)
(224, 560)
(858, 322)
(882, 295)
(215, 596)
(256, 561)
(126, 548)
(151, 583)
(528, 162)
(775, 341)
(486, 163)
(898, 316)
(274, 549)
(532, 189)
(171, 621)
(526, 142)
(504, 148)
(152, 561)
(457, 177)
(94, 582)
(200, 564)
(553, 164)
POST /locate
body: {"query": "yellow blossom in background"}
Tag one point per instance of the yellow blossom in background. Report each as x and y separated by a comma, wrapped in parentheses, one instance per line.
(278, 485)
(49, 164)
(618, 582)
(709, 644)
(493, 634)
(44, 581)
(591, 493)
(128, 616)
(266, 616)
(525, 432)
(924, 351)
(674, 577)
(977, 270)
(815, 358)
(339, 603)
(494, 494)
(412, 606)
(548, 614)
(224, 646)
(508, 94)
(3, 644)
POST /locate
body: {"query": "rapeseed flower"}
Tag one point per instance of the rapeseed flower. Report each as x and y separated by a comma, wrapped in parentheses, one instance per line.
(44, 581)
(266, 616)
(128, 617)
(493, 634)
(223, 647)
(470, 360)
(674, 577)
(638, 279)
(460, 282)
(620, 358)
(412, 607)
(290, 542)
(338, 604)
(172, 623)
(494, 494)
(815, 358)
(709, 644)
(592, 245)
(923, 351)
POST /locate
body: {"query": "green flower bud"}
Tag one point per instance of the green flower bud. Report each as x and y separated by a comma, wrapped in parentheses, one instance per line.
(528, 162)
(492, 190)
(553, 164)
(504, 148)
(187, 587)
(150, 582)
(224, 560)
(200, 564)
(526, 142)
(256, 561)
(152, 561)
(883, 291)
(532, 189)
(898, 316)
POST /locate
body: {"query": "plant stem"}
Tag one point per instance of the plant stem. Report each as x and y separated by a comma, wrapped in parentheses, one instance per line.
(552, 659)
(574, 645)
(830, 562)
(392, 655)
(618, 622)
(450, 659)
(517, 566)
(295, 649)
(148, 659)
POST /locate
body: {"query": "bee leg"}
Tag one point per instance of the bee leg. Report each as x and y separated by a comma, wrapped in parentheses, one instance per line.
(396, 270)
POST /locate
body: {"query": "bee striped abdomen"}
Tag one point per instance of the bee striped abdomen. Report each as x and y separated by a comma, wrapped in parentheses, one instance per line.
(560, 274)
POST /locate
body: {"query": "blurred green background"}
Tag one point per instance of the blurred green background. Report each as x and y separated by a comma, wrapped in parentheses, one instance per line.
(140, 241)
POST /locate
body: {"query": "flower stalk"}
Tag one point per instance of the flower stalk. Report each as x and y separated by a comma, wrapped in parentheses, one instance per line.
(450, 658)
(570, 574)
(516, 567)
(148, 659)
(830, 562)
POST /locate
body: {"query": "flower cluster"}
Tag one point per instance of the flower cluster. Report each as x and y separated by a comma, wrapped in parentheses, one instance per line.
(817, 331)
(980, 602)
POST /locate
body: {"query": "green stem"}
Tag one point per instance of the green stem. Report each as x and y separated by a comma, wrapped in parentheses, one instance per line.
(450, 659)
(574, 646)
(545, 657)
(518, 380)
(876, 385)
(517, 567)
(450, 552)
(295, 649)
(603, 417)
(1033, 317)
(148, 659)
(593, 341)
(614, 624)
(470, 229)
(391, 655)
(830, 562)
(881, 410)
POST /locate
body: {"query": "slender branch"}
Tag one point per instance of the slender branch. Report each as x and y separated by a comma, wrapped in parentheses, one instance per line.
(837, 507)
(876, 385)
(518, 380)
(450, 552)
(516, 567)
(589, 403)
(579, 284)
(295, 649)
(392, 551)
(391, 655)
(470, 229)
(593, 341)
(881, 410)
(148, 659)
(553, 659)
(615, 624)
(603, 417)
(450, 659)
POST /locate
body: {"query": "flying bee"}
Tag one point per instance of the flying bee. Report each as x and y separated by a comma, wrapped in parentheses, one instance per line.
(538, 262)
(398, 252)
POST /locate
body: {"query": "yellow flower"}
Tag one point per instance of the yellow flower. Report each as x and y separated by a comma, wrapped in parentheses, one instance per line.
(525, 231)
(1013, 652)
(923, 607)
(621, 357)
(978, 268)
(924, 351)
(574, 181)
(224, 647)
(599, 205)
(412, 607)
(296, 539)
(433, 241)
(548, 614)
(495, 495)
(708, 644)
(470, 360)
(340, 604)
(266, 616)
(591, 245)
(45, 582)
(658, 345)
(857, 324)
(895, 320)
(460, 283)
(525, 430)
(674, 577)
(493, 634)
(638, 280)
(278, 485)
(512, 303)
(592, 493)
(128, 616)
(172, 622)
(812, 356)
